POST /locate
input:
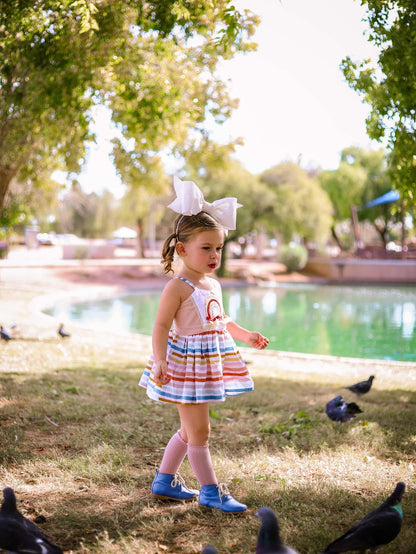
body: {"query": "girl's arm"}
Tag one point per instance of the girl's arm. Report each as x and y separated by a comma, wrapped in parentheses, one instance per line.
(252, 338)
(170, 300)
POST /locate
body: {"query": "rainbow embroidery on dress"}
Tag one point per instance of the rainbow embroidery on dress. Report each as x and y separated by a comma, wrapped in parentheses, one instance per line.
(213, 309)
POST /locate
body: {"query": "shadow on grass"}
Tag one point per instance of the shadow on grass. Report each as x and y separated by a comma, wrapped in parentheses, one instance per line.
(276, 414)
(309, 518)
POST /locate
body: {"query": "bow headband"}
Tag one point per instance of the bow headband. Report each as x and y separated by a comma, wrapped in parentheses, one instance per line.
(190, 201)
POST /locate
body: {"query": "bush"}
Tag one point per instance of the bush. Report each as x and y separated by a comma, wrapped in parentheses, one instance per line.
(293, 256)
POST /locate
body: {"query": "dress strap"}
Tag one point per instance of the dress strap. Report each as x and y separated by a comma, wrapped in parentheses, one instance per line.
(187, 281)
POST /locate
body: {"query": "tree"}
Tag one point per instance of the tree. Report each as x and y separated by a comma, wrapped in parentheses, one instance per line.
(390, 88)
(87, 215)
(27, 204)
(152, 63)
(301, 207)
(344, 187)
(377, 183)
(145, 179)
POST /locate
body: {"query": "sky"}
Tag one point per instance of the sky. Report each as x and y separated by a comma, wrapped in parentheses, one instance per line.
(294, 101)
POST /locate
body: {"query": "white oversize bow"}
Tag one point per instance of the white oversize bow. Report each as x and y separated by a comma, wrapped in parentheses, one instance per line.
(190, 201)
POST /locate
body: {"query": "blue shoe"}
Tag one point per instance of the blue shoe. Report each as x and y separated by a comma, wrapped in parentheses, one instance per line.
(172, 487)
(218, 496)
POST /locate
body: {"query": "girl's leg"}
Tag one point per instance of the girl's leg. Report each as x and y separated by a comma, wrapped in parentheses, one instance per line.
(167, 483)
(174, 454)
(195, 424)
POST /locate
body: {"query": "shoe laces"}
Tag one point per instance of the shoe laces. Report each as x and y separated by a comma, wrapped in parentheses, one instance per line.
(222, 491)
(178, 480)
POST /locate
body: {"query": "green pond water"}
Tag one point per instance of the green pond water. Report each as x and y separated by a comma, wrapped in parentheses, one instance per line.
(363, 322)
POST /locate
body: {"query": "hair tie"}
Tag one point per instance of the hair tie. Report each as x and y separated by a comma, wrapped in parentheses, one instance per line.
(174, 238)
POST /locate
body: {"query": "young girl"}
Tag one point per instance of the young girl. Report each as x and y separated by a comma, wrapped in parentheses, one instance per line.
(197, 361)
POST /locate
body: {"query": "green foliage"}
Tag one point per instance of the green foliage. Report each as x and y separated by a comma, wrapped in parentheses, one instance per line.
(11, 215)
(297, 423)
(293, 256)
(300, 206)
(389, 86)
(344, 186)
(152, 64)
(362, 176)
(375, 165)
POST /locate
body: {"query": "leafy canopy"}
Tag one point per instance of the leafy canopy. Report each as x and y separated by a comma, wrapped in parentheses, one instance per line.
(151, 63)
(301, 207)
(390, 87)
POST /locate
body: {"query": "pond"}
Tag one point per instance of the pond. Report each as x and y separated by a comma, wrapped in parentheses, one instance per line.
(353, 321)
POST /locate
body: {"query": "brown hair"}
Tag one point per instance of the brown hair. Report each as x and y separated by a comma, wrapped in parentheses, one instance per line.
(186, 226)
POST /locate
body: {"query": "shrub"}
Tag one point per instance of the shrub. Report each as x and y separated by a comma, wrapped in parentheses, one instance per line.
(293, 256)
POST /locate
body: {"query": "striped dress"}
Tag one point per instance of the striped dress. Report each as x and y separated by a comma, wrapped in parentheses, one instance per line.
(204, 363)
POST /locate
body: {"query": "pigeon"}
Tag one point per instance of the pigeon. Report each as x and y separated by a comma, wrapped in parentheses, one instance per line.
(362, 387)
(268, 541)
(18, 535)
(339, 410)
(376, 529)
(62, 332)
(5, 335)
(210, 550)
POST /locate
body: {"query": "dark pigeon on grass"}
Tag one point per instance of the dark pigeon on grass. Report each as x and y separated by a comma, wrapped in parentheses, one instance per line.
(61, 331)
(210, 550)
(5, 335)
(18, 535)
(376, 529)
(268, 541)
(339, 410)
(362, 387)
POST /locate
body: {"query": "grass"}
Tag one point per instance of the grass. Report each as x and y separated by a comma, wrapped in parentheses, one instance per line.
(79, 442)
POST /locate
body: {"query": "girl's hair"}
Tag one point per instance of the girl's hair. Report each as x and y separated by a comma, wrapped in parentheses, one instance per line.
(186, 226)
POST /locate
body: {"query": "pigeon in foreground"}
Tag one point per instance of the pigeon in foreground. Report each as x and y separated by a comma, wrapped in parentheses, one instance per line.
(62, 332)
(268, 541)
(210, 550)
(376, 529)
(362, 387)
(339, 410)
(5, 335)
(18, 535)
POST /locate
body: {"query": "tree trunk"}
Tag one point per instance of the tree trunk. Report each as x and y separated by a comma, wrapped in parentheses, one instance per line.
(6, 175)
(336, 238)
(403, 237)
(140, 239)
(382, 231)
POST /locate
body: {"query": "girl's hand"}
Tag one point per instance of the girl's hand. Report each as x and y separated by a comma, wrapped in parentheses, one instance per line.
(256, 340)
(160, 372)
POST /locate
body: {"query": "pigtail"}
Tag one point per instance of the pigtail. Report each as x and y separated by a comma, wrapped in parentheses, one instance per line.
(168, 253)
